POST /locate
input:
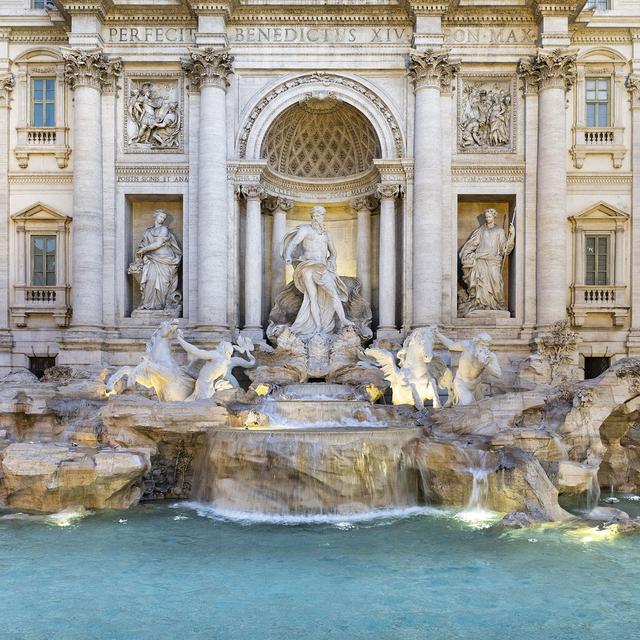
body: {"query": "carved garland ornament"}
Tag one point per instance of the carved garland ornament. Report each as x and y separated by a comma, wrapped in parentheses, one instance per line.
(325, 79)
(432, 68)
(90, 68)
(547, 70)
(7, 84)
(208, 67)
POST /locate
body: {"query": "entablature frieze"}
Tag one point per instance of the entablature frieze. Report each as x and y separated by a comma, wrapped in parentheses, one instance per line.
(488, 173)
(152, 173)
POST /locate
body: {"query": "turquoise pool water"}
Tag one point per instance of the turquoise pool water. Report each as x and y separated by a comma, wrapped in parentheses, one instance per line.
(160, 572)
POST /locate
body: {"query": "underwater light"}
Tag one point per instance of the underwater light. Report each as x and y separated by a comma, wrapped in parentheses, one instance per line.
(66, 517)
(594, 534)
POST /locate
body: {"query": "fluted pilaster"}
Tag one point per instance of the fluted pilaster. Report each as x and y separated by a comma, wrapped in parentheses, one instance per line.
(279, 208)
(363, 208)
(633, 86)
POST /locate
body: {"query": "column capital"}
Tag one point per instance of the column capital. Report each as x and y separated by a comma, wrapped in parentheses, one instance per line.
(365, 203)
(251, 192)
(386, 191)
(90, 68)
(274, 204)
(208, 67)
(548, 69)
(632, 83)
(432, 68)
(7, 83)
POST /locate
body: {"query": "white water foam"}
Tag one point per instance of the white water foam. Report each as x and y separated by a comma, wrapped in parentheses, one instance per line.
(340, 520)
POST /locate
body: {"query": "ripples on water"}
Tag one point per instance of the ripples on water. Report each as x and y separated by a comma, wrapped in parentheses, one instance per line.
(192, 572)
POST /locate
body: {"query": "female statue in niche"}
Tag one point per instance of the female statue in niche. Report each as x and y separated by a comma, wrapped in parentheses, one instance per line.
(156, 266)
(482, 257)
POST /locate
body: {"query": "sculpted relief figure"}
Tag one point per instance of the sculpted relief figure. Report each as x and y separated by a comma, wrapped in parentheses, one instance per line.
(156, 267)
(482, 258)
(485, 117)
(154, 119)
(476, 360)
(318, 301)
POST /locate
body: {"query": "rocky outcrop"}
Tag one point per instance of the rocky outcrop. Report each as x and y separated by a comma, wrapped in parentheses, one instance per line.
(49, 477)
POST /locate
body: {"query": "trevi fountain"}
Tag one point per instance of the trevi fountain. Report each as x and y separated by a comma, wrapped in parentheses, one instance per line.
(319, 319)
(328, 431)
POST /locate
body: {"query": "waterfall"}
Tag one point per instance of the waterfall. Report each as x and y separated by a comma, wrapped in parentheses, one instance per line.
(593, 492)
(477, 509)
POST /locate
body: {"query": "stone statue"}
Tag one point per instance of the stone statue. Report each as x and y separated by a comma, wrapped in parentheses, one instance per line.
(217, 371)
(311, 251)
(153, 116)
(482, 258)
(322, 300)
(158, 370)
(419, 373)
(156, 267)
(207, 371)
(476, 359)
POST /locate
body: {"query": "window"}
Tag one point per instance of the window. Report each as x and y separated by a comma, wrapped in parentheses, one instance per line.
(597, 95)
(43, 102)
(598, 4)
(38, 4)
(597, 260)
(43, 261)
(593, 366)
(39, 364)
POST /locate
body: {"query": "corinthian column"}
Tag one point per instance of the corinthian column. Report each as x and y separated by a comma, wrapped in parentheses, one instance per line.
(253, 262)
(208, 69)
(87, 72)
(633, 85)
(431, 72)
(387, 259)
(363, 208)
(7, 83)
(552, 74)
(278, 208)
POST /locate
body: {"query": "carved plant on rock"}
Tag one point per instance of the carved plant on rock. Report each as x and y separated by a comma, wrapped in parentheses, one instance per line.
(557, 347)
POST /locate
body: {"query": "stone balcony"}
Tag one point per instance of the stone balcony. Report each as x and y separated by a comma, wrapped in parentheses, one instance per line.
(598, 141)
(52, 301)
(600, 299)
(42, 141)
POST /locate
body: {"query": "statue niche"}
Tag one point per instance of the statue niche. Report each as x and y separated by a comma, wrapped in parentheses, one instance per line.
(319, 321)
(155, 269)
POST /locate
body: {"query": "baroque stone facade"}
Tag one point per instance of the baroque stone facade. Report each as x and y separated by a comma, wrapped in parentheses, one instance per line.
(406, 120)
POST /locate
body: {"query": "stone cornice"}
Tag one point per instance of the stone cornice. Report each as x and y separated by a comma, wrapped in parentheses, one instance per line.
(568, 8)
(320, 15)
(548, 69)
(208, 67)
(95, 7)
(432, 68)
(90, 68)
(220, 8)
(43, 36)
(427, 7)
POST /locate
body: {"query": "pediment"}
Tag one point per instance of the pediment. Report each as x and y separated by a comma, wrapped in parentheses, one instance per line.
(601, 211)
(40, 211)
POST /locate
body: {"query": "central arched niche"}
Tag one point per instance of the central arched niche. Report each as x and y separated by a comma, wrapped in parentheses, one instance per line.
(322, 139)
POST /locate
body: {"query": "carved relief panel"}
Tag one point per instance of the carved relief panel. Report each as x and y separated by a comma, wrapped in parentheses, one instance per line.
(153, 113)
(486, 114)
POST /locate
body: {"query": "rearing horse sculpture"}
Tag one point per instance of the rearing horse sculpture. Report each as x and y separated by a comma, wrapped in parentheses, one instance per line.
(420, 373)
(158, 369)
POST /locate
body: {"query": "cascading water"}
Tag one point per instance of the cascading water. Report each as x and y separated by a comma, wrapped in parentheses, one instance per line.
(477, 509)
(302, 461)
